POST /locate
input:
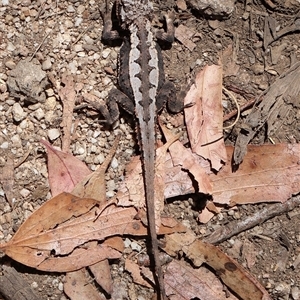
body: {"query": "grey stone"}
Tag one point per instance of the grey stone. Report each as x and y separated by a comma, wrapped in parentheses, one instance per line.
(215, 8)
(18, 112)
(28, 81)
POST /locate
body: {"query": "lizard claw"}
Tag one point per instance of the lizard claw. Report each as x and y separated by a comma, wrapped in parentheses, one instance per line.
(105, 15)
(170, 16)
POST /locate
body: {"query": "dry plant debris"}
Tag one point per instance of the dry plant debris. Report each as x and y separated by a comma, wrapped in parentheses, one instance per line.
(70, 231)
(267, 173)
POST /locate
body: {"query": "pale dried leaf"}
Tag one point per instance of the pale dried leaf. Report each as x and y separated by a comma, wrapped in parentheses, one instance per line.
(204, 119)
(64, 170)
(93, 185)
(181, 4)
(249, 253)
(67, 95)
(135, 272)
(205, 216)
(229, 64)
(78, 287)
(52, 213)
(209, 212)
(7, 179)
(268, 173)
(44, 239)
(178, 182)
(131, 191)
(232, 274)
(194, 165)
(184, 282)
(77, 259)
(102, 275)
(285, 89)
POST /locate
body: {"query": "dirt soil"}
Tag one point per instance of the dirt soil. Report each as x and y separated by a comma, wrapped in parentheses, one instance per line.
(65, 36)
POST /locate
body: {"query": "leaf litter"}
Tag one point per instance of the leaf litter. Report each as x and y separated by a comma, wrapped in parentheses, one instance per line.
(69, 233)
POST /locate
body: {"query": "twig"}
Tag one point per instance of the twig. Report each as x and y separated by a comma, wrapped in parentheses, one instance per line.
(242, 108)
(235, 227)
(40, 45)
(237, 106)
(22, 159)
(82, 34)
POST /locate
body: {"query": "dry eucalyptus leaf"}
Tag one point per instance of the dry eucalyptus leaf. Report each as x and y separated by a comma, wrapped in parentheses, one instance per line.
(63, 226)
(230, 272)
(102, 275)
(277, 97)
(67, 95)
(195, 165)
(93, 185)
(269, 173)
(64, 170)
(204, 118)
(135, 272)
(184, 282)
(78, 287)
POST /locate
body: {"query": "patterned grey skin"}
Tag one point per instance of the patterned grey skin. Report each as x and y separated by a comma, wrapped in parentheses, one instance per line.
(144, 80)
(143, 92)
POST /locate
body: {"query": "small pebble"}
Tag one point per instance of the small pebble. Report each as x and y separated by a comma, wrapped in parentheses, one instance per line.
(18, 112)
(16, 141)
(50, 103)
(78, 48)
(80, 9)
(49, 92)
(69, 24)
(99, 159)
(46, 65)
(78, 21)
(60, 286)
(70, 9)
(111, 185)
(110, 194)
(127, 242)
(81, 54)
(105, 53)
(79, 149)
(53, 134)
(258, 69)
(114, 163)
(4, 145)
(10, 64)
(39, 114)
(34, 285)
(295, 293)
(135, 246)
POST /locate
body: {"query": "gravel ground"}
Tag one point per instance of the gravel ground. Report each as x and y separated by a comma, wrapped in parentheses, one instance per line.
(42, 40)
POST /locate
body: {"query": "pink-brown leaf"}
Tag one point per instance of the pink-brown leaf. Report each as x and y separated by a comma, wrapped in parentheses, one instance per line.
(204, 119)
(64, 169)
(78, 287)
(41, 239)
(268, 173)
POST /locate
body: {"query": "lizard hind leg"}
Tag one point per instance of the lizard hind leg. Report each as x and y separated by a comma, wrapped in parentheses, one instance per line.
(167, 94)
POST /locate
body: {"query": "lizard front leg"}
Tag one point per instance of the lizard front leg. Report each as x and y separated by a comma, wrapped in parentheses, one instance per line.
(115, 99)
(168, 35)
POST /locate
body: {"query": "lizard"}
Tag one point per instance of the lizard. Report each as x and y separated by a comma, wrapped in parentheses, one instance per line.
(142, 92)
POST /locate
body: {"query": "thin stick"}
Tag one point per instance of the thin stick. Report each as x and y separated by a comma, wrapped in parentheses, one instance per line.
(235, 227)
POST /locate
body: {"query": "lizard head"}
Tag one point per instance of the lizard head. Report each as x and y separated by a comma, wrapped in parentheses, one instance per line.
(130, 10)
